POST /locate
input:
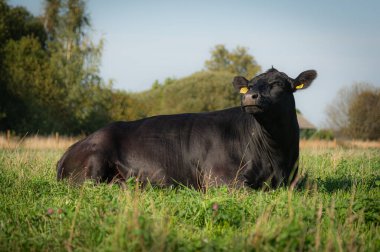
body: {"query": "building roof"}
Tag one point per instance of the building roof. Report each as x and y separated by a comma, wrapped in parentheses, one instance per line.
(303, 123)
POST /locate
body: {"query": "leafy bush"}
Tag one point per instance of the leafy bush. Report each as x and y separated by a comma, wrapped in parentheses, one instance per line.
(323, 134)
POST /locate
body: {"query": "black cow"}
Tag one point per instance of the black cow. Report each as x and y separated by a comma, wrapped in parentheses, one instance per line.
(256, 144)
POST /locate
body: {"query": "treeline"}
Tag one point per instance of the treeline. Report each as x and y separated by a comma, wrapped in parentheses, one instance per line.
(355, 112)
(50, 81)
(49, 71)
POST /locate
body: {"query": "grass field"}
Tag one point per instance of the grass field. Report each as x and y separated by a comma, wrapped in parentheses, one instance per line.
(334, 207)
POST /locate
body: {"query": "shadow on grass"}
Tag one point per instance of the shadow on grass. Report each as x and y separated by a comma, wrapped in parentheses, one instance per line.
(331, 184)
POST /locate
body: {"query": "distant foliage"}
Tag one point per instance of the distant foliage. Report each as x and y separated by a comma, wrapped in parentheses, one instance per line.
(49, 76)
(237, 62)
(307, 133)
(355, 113)
(74, 67)
(124, 106)
(323, 134)
(22, 39)
(364, 115)
(202, 91)
(199, 92)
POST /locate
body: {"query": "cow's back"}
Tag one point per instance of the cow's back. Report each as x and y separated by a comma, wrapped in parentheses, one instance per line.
(162, 150)
(182, 148)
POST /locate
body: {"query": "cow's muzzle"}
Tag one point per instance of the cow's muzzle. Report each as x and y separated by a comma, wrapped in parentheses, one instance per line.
(253, 109)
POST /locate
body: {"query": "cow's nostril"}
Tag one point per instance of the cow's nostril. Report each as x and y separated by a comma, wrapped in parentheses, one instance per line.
(254, 96)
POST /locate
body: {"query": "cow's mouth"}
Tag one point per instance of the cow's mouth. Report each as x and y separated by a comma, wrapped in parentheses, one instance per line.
(253, 109)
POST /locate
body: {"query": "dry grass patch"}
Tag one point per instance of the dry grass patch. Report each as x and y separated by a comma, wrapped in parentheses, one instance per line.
(36, 142)
(323, 144)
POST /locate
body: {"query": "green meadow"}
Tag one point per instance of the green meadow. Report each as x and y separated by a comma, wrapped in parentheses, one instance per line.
(334, 207)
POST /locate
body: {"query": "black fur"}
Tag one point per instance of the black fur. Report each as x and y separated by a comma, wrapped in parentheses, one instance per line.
(256, 144)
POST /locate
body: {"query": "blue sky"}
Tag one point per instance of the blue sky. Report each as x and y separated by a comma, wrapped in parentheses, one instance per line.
(149, 40)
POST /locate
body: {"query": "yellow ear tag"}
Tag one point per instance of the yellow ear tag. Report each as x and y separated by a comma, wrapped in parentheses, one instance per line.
(243, 90)
(299, 86)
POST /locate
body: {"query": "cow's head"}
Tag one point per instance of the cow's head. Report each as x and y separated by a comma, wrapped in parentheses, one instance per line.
(270, 90)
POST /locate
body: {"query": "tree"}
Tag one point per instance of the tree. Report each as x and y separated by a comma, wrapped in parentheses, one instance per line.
(74, 67)
(22, 39)
(237, 62)
(354, 112)
(25, 63)
(364, 115)
(51, 17)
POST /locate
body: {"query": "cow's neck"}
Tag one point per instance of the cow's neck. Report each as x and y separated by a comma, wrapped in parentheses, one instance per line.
(277, 130)
(279, 127)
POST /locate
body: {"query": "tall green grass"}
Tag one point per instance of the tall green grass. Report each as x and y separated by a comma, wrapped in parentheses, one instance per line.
(334, 207)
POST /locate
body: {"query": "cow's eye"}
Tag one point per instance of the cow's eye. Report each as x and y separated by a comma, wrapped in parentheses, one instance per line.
(277, 83)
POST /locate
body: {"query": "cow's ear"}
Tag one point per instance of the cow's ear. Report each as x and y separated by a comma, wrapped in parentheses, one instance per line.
(240, 84)
(304, 80)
